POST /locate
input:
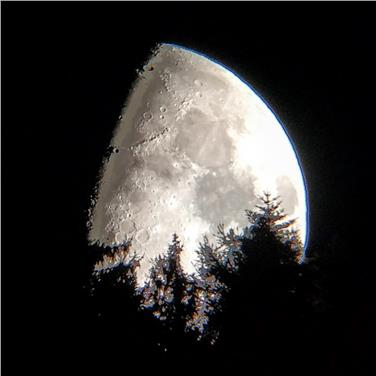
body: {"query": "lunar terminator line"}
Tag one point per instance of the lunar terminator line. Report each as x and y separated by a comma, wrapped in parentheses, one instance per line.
(195, 147)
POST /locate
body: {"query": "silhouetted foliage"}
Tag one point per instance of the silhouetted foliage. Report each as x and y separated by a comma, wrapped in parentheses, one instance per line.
(262, 294)
(242, 270)
(115, 274)
(165, 292)
(168, 294)
(116, 301)
(251, 294)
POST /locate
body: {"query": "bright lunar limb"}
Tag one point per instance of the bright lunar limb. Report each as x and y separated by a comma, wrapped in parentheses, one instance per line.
(195, 146)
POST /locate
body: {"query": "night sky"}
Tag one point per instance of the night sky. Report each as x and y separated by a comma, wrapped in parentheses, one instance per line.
(67, 69)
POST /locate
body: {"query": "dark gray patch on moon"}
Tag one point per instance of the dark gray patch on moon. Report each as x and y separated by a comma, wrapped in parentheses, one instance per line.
(205, 141)
(288, 193)
(221, 198)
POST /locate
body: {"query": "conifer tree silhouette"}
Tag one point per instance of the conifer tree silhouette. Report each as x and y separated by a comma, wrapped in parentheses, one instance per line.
(261, 304)
(250, 287)
(169, 295)
(116, 302)
(114, 278)
(249, 277)
(216, 267)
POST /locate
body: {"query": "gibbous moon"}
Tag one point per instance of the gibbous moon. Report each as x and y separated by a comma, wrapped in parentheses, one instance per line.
(194, 147)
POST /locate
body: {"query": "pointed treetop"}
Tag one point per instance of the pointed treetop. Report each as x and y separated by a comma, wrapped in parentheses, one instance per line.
(270, 216)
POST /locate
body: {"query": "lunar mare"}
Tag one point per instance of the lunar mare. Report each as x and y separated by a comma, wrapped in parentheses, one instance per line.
(195, 147)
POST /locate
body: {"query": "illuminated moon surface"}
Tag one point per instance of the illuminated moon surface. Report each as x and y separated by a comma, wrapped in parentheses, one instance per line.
(194, 147)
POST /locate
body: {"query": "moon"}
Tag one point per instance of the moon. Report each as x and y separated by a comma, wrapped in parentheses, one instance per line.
(194, 147)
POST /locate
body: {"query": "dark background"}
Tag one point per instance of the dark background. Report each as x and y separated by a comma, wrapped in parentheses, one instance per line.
(67, 70)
